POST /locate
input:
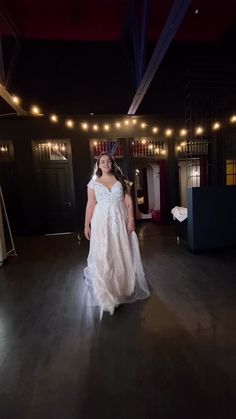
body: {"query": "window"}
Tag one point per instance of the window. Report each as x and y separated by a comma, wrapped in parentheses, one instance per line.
(50, 150)
(6, 151)
(230, 172)
(113, 147)
(193, 174)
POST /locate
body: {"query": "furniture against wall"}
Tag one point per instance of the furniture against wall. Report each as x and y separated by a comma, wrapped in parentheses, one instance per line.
(211, 217)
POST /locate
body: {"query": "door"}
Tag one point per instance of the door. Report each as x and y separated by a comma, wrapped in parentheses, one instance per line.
(55, 186)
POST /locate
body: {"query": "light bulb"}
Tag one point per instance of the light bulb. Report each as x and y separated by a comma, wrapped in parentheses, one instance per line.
(16, 100)
(69, 123)
(199, 130)
(54, 118)
(35, 110)
(183, 132)
(216, 126)
(168, 132)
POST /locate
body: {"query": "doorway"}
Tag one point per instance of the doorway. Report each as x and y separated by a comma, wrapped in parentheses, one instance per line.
(189, 177)
(147, 190)
(55, 182)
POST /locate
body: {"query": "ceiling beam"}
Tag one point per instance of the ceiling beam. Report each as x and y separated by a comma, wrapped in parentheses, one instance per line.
(5, 76)
(8, 98)
(143, 38)
(16, 34)
(173, 22)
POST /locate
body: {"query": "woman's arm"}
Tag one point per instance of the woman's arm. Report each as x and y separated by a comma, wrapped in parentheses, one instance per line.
(89, 212)
(130, 210)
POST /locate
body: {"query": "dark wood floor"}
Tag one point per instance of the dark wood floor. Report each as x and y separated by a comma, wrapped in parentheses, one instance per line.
(172, 356)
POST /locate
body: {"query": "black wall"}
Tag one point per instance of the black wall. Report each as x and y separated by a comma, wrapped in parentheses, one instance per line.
(22, 131)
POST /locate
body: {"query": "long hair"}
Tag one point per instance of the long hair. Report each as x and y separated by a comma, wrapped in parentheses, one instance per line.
(115, 170)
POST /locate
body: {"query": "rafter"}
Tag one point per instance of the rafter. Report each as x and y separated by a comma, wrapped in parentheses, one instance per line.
(8, 98)
(173, 21)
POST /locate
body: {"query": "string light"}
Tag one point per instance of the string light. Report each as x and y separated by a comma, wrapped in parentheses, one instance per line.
(95, 143)
(168, 132)
(183, 132)
(16, 100)
(199, 130)
(216, 126)
(85, 125)
(69, 123)
(178, 148)
(143, 141)
(35, 110)
(54, 118)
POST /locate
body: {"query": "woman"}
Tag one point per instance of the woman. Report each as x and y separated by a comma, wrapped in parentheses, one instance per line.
(114, 272)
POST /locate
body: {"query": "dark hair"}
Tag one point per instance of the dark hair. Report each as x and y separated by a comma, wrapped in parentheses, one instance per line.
(115, 170)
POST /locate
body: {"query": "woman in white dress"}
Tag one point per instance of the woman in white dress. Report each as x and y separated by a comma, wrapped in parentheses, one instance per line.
(114, 272)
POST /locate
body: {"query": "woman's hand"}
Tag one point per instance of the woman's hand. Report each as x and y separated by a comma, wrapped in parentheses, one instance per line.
(87, 232)
(130, 226)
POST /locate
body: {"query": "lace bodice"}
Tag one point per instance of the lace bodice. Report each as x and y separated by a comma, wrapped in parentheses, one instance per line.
(105, 195)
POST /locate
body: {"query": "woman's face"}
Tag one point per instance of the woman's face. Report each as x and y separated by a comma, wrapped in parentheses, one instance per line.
(105, 164)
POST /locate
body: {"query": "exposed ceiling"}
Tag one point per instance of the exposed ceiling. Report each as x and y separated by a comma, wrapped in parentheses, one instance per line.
(103, 20)
(59, 70)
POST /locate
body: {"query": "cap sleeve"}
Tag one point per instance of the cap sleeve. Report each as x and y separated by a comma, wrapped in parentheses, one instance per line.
(91, 184)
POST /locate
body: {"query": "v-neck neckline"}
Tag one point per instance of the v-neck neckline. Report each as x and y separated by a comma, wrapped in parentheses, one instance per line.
(109, 189)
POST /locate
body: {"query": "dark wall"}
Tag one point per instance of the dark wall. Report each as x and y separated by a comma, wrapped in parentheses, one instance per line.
(211, 217)
(23, 130)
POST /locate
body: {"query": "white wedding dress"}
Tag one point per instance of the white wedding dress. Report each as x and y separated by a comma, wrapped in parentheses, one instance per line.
(114, 272)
